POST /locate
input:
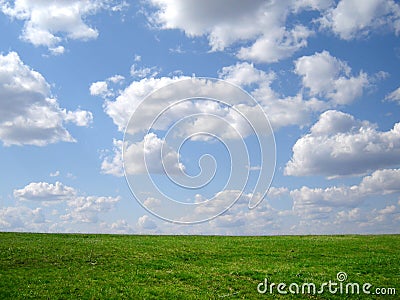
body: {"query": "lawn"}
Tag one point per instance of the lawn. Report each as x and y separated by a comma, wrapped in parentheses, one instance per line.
(85, 266)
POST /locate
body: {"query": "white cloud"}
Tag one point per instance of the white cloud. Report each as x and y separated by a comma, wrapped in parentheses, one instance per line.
(80, 208)
(121, 226)
(348, 215)
(276, 44)
(382, 182)
(86, 209)
(148, 156)
(245, 74)
(98, 88)
(394, 96)
(78, 117)
(352, 18)
(112, 164)
(320, 5)
(281, 112)
(43, 191)
(149, 150)
(260, 23)
(29, 114)
(340, 145)
(49, 23)
(105, 89)
(213, 113)
(126, 103)
(275, 192)
(327, 76)
(21, 218)
(319, 203)
(146, 223)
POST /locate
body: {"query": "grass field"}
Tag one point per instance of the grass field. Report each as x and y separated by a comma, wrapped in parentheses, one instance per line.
(80, 266)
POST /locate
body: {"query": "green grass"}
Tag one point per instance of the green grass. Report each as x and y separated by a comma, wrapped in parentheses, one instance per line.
(80, 266)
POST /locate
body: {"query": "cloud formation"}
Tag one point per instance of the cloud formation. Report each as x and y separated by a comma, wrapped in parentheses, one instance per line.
(50, 23)
(79, 208)
(352, 19)
(314, 203)
(29, 114)
(338, 145)
(326, 76)
(261, 24)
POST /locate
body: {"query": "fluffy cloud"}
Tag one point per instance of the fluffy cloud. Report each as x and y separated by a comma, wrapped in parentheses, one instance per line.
(146, 223)
(352, 18)
(260, 23)
(382, 182)
(148, 156)
(49, 23)
(79, 208)
(217, 118)
(339, 145)
(327, 76)
(125, 104)
(87, 209)
(28, 112)
(142, 157)
(21, 218)
(281, 111)
(43, 191)
(245, 74)
(314, 203)
(105, 89)
(98, 88)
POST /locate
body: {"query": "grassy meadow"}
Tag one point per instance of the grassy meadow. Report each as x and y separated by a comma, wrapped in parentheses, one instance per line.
(86, 266)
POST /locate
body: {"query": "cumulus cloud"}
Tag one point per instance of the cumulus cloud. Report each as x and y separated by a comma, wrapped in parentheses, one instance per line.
(43, 191)
(21, 218)
(142, 157)
(262, 24)
(386, 181)
(352, 18)
(220, 119)
(245, 74)
(314, 203)
(327, 76)
(79, 208)
(146, 223)
(50, 23)
(29, 114)
(338, 144)
(98, 88)
(148, 156)
(105, 89)
(86, 209)
(121, 109)
(281, 111)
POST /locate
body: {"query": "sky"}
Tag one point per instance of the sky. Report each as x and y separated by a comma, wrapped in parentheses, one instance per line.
(116, 114)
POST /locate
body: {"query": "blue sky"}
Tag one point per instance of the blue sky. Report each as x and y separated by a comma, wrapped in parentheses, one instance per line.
(326, 73)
